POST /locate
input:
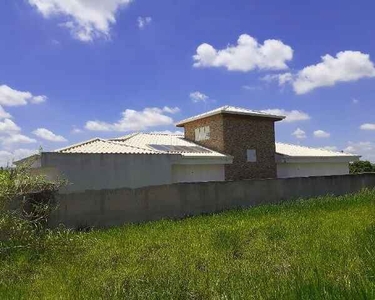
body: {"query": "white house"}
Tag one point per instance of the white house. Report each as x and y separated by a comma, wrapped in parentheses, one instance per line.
(228, 143)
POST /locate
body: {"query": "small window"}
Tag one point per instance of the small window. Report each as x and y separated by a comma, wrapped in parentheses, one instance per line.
(251, 155)
(202, 133)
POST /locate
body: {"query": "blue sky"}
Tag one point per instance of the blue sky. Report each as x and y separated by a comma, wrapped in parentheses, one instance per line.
(71, 70)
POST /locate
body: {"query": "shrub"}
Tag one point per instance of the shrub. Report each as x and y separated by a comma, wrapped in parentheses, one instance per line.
(26, 201)
(361, 166)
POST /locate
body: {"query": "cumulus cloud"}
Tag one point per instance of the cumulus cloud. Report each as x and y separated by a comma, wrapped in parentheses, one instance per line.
(365, 149)
(299, 133)
(9, 127)
(143, 22)
(48, 135)
(8, 157)
(246, 56)
(10, 133)
(133, 120)
(11, 97)
(86, 20)
(321, 134)
(281, 78)
(198, 97)
(345, 67)
(291, 115)
(368, 126)
(16, 139)
(4, 114)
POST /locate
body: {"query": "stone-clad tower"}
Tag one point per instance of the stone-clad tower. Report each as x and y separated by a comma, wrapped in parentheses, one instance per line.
(247, 135)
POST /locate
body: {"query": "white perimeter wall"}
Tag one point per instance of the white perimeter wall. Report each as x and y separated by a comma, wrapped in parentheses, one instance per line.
(108, 171)
(286, 170)
(197, 173)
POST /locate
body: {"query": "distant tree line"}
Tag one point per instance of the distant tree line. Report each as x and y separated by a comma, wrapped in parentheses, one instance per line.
(362, 166)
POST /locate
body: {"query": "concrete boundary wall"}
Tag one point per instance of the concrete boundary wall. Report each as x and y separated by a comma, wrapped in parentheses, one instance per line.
(107, 208)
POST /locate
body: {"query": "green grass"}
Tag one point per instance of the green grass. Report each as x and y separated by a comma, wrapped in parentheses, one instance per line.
(314, 249)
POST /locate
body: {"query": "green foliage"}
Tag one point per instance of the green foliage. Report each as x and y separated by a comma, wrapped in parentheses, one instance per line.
(20, 182)
(311, 249)
(362, 166)
(26, 201)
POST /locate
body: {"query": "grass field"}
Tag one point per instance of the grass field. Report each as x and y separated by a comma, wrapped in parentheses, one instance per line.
(314, 249)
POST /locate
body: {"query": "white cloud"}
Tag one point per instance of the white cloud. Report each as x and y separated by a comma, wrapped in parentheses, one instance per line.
(368, 126)
(251, 87)
(38, 99)
(171, 110)
(11, 97)
(330, 148)
(16, 139)
(246, 56)
(177, 132)
(4, 114)
(355, 101)
(198, 97)
(299, 133)
(8, 157)
(9, 127)
(321, 134)
(48, 135)
(133, 120)
(366, 149)
(291, 116)
(76, 130)
(346, 66)
(86, 19)
(143, 21)
(10, 133)
(281, 78)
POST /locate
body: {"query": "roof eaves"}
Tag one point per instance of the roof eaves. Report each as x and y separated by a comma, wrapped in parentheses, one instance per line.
(78, 144)
(225, 110)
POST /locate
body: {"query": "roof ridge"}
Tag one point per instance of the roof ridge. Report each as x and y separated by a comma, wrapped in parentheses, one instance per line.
(78, 144)
(125, 137)
(166, 134)
(317, 148)
(131, 146)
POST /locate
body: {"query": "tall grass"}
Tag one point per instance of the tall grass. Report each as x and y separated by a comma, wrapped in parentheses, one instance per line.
(311, 249)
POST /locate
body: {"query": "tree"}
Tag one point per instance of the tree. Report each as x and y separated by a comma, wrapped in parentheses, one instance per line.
(362, 166)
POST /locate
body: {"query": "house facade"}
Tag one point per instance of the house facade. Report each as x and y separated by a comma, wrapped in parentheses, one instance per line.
(228, 143)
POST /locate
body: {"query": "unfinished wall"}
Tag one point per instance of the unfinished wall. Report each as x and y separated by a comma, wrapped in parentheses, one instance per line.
(116, 207)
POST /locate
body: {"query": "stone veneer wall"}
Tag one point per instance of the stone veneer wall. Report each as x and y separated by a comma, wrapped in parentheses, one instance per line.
(216, 124)
(242, 133)
(234, 134)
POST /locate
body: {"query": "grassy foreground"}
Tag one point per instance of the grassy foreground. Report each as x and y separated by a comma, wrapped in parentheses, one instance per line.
(315, 249)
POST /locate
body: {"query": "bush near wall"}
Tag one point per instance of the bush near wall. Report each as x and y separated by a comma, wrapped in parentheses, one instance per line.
(26, 201)
(362, 166)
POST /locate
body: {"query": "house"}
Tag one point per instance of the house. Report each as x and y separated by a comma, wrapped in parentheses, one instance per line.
(227, 143)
